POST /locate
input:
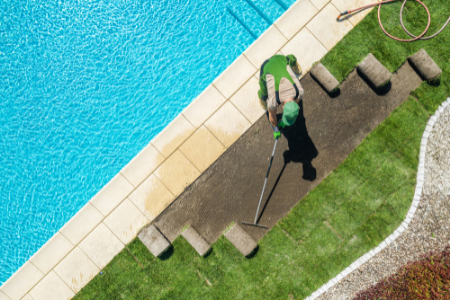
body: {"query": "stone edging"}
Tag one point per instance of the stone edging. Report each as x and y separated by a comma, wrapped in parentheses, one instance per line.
(415, 203)
(172, 160)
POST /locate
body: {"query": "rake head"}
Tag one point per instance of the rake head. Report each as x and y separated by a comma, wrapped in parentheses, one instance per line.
(254, 224)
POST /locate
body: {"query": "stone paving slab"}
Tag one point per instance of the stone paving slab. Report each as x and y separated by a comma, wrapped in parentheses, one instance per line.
(3, 296)
(319, 4)
(176, 173)
(234, 76)
(265, 46)
(306, 48)
(101, 245)
(168, 140)
(51, 253)
(296, 17)
(51, 288)
(227, 124)
(22, 281)
(325, 27)
(204, 106)
(82, 224)
(196, 241)
(112, 194)
(142, 165)
(151, 197)
(241, 240)
(202, 148)
(126, 221)
(152, 238)
(76, 270)
(246, 100)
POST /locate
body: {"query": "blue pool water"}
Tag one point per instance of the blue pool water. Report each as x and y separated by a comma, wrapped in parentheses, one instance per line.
(85, 85)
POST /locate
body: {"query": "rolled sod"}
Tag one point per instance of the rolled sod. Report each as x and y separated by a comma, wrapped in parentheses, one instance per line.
(241, 240)
(324, 77)
(154, 240)
(425, 65)
(374, 71)
(196, 241)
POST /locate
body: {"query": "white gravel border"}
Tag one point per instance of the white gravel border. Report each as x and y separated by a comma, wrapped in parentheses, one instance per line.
(415, 203)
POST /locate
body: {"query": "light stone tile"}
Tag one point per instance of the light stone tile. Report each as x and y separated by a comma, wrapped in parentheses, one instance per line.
(51, 253)
(51, 288)
(173, 136)
(112, 194)
(204, 106)
(265, 46)
(234, 76)
(227, 124)
(76, 270)
(202, 148)
(101, 245)
(152, 197)
(320, 4)
(4, 297)
(81, 224)
(325, 27)
(142, 165)
(356, 17)
(27, 297)
(306, 48)
(247, 101)
(22, 281)
(297, 16)
(177, 173)
(125, 221)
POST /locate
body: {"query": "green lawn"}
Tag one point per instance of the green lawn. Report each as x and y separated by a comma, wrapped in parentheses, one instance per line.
(356, 207)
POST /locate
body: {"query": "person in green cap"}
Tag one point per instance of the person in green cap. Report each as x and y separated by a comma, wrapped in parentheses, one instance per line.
(280, 87)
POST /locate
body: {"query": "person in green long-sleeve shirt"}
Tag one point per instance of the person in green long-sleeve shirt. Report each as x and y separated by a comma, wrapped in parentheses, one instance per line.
(279, 86)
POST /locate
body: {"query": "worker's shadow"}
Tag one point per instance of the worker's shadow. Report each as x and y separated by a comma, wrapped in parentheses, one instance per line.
(301, 147)
(301, 150)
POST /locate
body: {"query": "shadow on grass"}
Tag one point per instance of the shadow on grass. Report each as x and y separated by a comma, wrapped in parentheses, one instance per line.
(253, 254)
(167, 254)
(381, 91)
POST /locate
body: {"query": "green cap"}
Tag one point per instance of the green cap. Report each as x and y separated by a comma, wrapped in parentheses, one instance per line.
(290, 113)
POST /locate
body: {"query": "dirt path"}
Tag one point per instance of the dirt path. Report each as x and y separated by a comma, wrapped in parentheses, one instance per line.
(326, 133)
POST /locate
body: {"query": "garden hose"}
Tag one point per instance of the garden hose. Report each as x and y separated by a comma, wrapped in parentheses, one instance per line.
(414, 38)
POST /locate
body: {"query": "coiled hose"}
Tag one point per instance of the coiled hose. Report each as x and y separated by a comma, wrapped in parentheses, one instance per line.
(414, 38)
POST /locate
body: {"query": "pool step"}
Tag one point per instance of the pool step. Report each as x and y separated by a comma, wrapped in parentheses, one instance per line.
(196, 241)
(154, 240)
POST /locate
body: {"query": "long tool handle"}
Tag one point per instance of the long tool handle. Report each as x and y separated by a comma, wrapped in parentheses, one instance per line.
(265, 181)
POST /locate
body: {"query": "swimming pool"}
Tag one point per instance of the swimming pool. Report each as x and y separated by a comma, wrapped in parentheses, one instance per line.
(85, 85)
